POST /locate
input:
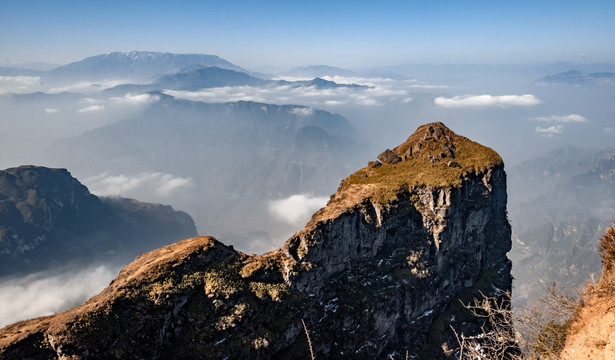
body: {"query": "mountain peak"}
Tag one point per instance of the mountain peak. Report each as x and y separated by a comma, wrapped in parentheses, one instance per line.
(433, 156)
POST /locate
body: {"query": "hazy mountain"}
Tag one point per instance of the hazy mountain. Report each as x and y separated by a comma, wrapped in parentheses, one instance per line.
(577, 78)
(238, 156)
(135, 65)
(319, 71)
(192, 79)
(48, 218)
(560, 204)
(19, 71)
(326, 84)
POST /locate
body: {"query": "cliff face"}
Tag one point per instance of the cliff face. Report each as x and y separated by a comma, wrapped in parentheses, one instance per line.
(379, 271)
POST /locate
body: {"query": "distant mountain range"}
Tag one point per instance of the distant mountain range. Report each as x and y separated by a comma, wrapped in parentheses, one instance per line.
(135, 65)
(196, 78)
(560, 204)
(48, 218)
(171, 71)
(241, 155)
(577, 78)
(319, 71)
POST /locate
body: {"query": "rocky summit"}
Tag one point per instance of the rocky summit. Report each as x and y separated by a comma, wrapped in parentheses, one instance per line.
(380, 272)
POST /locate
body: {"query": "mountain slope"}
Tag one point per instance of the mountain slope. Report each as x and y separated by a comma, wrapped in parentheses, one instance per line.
(591, 334)
(379, 271)
(47, 217)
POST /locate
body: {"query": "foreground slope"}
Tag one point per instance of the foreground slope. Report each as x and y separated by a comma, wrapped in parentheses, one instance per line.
(591, 334)
(379, 271)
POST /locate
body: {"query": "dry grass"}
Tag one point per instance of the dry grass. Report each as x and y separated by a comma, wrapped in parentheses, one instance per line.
(427, 166)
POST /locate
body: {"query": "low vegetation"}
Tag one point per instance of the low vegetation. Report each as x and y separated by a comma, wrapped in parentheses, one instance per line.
(432, 162)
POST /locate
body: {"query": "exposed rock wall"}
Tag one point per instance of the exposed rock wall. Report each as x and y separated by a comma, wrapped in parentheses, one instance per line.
(379, 271)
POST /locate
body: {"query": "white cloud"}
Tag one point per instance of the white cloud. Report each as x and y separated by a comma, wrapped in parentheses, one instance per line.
(549, 131)
(562, 118)
(609, 131)
(91, 108)
(487, 101)
(302, 111)
(19, 80)
(44, 294)
(297, 209)
(88, 101)
(377, 94)
(157, 183)
(18, 84)
(51, 110)
(87, 87)
(139, 99)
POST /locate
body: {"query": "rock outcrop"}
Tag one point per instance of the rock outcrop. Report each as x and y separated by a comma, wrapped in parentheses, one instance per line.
(47, 217)
(380, 271)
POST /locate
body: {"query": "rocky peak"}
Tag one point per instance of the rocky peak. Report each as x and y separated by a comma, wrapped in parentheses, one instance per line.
(379, 271)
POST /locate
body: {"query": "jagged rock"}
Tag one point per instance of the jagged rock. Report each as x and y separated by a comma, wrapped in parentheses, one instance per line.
(381, 270)
(389, 157)
(374, 164)
(448, 150)
(408, 153)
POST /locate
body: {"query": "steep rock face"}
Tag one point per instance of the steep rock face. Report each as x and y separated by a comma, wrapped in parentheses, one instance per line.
(48, 217)
(379, 271)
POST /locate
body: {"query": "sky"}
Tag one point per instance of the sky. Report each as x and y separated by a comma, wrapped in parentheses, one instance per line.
(351, 34)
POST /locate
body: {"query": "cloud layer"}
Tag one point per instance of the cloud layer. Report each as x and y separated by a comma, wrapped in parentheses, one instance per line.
(297, 209)
(481, 101)
(131, 99)
(158, 183)
(18, 84)
(91, 108)
(379, 92)
(43, 294)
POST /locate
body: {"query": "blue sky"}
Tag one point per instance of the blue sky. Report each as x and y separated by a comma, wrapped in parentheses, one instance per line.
(286, 33)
